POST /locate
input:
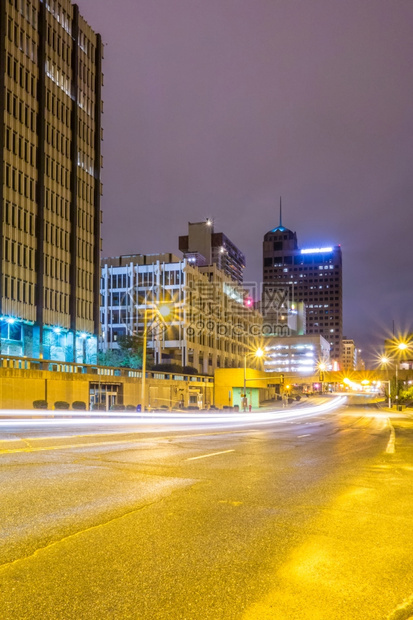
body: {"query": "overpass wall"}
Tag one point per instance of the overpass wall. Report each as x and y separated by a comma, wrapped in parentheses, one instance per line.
(20, 387)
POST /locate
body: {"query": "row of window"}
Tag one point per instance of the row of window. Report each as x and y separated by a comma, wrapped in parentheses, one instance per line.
(86, 75)
(61, 80)
(123, 281)
(18, 290)
(84, 309)
(16, 144)
(56, 268)
(86, 163)
(86, 191)
(84, 250)
(299, 259)
(18, 218)
(60, 15)
(57, 108)
(85, 221)
(57, 140)
(20, 75)
(85, 45)
(20, 182)
(54, 300)
(20, 111)
(57, 204)
(58, 44)
(86, 133)
(25, 8)
(85, 103)
(59, 77)
(57, 172)
(56, 236)
(84, 280)
(21, 40)
(18, 254)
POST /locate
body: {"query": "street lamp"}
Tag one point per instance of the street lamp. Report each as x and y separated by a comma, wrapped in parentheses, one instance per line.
(322, 367)
(163, 311)
(385, 361)
(258, 353)
(398, 348)
(401, 346)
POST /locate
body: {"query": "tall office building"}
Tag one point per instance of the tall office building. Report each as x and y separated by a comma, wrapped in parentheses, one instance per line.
(312, 276)
(50, 185)
(202, 246)
(349, 354)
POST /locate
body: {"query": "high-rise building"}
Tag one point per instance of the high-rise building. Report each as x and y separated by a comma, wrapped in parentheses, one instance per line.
(50, 180)
(202, 246)
(312, 276)
(349, 354)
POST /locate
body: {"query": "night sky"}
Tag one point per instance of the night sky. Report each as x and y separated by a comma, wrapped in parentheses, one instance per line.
(215, 108)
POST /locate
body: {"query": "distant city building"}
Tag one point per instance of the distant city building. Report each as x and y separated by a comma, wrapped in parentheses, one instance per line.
(202, 246)
(349, 354)
(312, 276)
(296, 354)
(50, 187)
(211, 325)
(285, 319)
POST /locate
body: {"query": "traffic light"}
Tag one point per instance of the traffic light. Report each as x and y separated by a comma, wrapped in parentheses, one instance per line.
(282, 378)
(321, 375)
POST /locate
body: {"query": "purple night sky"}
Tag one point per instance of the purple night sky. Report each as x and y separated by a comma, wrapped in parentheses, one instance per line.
(217, 107)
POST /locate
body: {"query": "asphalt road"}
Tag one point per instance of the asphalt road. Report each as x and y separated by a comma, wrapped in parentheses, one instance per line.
(294, 519)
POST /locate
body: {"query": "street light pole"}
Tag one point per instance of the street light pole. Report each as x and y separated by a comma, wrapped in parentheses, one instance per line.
(245, 383)
(389, 399)
(145, 339)
(258, 353)
(163, 311)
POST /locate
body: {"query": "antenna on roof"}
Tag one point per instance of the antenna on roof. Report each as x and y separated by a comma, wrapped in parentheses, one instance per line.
(281, 213)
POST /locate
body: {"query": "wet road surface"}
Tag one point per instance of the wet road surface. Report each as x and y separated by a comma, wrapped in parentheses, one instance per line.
(294, 519)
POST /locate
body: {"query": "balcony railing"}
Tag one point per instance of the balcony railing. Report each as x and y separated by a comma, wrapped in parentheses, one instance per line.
(26, 363)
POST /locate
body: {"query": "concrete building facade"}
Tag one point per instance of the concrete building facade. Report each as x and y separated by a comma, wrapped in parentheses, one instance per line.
(349, 354)
(50, 185)
(210, 326)
(297, 354)
(202, 246)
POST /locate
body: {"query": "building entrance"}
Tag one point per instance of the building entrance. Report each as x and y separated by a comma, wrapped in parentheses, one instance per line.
(103, 396)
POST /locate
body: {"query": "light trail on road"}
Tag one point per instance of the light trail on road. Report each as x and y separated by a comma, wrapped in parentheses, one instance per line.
(19, 418)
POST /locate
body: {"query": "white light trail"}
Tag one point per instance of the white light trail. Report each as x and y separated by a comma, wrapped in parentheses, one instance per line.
(25, 418)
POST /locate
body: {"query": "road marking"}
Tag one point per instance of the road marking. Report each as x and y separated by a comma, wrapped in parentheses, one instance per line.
(299, 436)
(391, 446)
(94, 444)
(205, 456)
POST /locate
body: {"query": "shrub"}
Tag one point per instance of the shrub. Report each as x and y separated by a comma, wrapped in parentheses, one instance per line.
(117, 408)
(130, 408)
(61, 404)
(79, 405)
(189, 370)
(98, 407)
(39, 404)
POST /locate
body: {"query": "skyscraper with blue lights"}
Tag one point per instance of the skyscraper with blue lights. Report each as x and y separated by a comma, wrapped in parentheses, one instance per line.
(312, 276)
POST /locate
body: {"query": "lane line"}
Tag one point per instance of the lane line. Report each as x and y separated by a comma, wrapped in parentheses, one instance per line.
(391, 446)
(299, 436)
(206, 456)
(120, 441)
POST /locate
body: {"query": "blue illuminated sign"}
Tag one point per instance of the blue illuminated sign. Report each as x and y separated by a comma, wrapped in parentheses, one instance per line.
(317, 251)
